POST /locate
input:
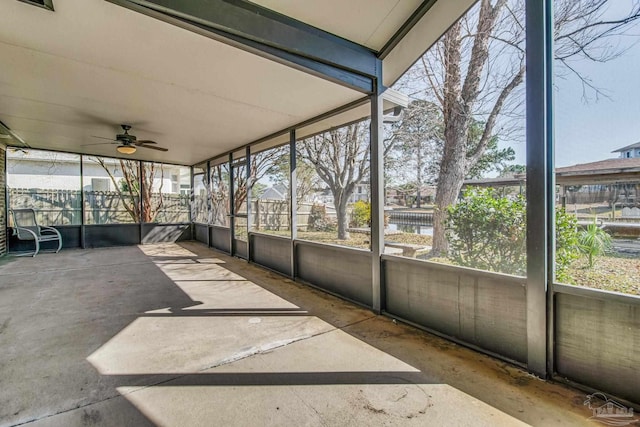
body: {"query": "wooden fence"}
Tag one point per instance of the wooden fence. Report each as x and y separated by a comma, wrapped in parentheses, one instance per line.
(64, 207)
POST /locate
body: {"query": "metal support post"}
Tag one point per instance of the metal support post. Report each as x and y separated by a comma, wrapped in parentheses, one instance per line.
(538, 181)
(82, 207)
(232, 211)
(551, 184)
(377, 198)
(249, 184)
(293, 199)
(209, 190)
(140, 201)
(192, 202)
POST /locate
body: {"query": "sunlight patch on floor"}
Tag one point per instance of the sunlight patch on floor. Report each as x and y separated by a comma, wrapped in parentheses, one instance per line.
(188, 344)
(357, 405)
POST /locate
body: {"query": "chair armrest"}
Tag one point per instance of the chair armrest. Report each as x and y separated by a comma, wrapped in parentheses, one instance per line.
(51, 229)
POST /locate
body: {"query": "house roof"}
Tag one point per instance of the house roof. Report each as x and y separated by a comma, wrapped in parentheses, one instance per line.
(512, 180)
(608, 171)
(603, 166)
(617, 170)
(276, 192)
(628, 147)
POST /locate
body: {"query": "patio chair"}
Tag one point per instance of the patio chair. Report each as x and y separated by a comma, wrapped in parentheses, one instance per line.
(25, 227)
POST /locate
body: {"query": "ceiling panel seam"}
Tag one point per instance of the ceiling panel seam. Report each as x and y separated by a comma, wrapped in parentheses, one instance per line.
(371, 34)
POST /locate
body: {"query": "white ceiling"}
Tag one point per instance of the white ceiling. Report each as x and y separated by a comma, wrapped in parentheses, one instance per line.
(91, 65)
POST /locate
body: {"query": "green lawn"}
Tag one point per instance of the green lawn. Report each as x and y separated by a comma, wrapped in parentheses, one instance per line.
(617, 273)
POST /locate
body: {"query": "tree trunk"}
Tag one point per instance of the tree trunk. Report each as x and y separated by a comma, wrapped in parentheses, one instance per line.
(456, 128)
(343, 220)
(419, 176)
(447, 191)
(451, 178)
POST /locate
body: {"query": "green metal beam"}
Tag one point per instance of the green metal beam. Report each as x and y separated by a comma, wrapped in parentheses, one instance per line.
(262, 31)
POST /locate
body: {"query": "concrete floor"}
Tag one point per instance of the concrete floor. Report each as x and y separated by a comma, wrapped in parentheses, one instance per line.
(180, 335)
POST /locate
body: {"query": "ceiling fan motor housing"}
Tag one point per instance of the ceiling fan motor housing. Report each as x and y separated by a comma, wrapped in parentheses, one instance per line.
(125, 138)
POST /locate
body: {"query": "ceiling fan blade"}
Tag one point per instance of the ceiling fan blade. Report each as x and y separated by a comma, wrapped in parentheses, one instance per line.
(145, 141)
(102, 137)
(154, 148)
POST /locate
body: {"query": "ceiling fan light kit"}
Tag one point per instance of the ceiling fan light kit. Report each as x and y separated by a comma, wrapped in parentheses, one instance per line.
(126, 149)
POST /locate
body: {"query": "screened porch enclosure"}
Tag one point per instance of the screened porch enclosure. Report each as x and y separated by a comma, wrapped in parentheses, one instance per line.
(100, 201)
(336, 156)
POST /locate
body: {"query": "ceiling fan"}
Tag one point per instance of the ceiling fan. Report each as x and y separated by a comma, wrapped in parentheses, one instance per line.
(127, 143)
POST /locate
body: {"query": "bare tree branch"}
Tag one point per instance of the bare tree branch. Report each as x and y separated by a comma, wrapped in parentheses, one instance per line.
(487, 134)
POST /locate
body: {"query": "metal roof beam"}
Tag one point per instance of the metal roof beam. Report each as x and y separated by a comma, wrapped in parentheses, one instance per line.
(262, 31)
(415, 17)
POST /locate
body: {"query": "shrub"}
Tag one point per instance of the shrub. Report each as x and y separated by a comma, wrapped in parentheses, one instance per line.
(594, 241)
(361, 214)
(488, 231)
(567, 243)
(318, 219)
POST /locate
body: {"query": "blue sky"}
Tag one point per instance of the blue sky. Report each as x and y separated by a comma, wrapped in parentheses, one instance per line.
(588, 131)
(587, 128)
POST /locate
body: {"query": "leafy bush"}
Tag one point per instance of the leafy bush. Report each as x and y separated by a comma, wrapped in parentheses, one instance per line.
(488, 231)
(567, 243)
(361, 214)
(594, 241)
(319, 220)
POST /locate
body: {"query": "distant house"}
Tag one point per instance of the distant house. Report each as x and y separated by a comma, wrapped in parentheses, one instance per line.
(277, 192)
(514, 182)
(613, 182)
(629, 152)
(61, 171)
(623, 170)
(323, 196)
(361, 192)
(608, 171)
